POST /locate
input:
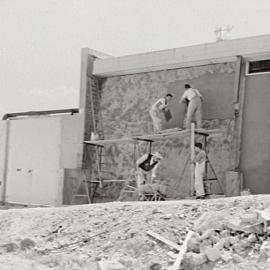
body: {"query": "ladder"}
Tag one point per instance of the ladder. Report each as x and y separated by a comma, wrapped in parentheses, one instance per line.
(91, 181)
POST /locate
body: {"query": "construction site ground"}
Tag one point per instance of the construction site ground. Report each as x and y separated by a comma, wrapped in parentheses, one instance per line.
(229, 233)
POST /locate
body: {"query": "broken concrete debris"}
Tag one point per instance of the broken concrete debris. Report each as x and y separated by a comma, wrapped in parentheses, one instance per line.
(27, 243)
(227, 237)
(111, 265)
(227, 234)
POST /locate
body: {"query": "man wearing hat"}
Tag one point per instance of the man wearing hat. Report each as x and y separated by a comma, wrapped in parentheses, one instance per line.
(147, 167)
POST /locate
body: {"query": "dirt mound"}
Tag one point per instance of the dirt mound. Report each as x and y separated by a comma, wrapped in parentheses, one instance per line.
(229, 233)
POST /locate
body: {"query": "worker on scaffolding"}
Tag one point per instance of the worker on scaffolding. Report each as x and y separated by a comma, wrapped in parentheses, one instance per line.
(199, 161)
(146, 174)
(193, 98)
(156, 110)
(147, 167)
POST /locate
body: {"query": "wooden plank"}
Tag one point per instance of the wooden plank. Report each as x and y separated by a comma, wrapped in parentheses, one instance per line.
(181, 253)
(148, 137)
(111, 141)
(164, 240)
(192, 157)
(114, 180)
(239, 124)
(237, 79)
(39, 113)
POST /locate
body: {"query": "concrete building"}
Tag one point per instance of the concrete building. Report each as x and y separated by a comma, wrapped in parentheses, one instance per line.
(43, 157)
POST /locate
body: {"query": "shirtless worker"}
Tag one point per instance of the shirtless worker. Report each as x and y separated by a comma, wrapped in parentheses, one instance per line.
(156, 109)
(194, 99)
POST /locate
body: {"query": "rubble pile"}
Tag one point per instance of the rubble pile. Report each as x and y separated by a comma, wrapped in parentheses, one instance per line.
(228, 233)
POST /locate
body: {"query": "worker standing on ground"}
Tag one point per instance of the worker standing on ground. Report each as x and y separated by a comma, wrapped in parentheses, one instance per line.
(161, 105)
(194, 99)
(147, 167)
(200, 159)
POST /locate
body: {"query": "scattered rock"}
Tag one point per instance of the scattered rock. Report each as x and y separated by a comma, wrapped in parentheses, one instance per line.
(226, 256)
(220, 244)
(252, 238)
(236, 258)
(207, 234)
(10, 247)
(212, 253)
(249, 218)
(224, 233)
(155, 266)
(27, 243)
(214, 244)
(265, 214)
(156, 211)
(111, 265)
(192, 259)
(193, 245)
(211, 220)
(167, 216)
(265, 251)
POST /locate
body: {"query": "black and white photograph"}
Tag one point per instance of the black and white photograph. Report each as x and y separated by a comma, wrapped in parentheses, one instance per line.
(134, 135)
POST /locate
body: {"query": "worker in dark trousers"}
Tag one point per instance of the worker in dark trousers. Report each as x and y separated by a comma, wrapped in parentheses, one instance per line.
(147, 167)
(156, 110)
(194, 100)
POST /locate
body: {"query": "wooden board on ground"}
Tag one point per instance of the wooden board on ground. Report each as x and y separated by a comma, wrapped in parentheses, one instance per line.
(182, 252)
(164, 240)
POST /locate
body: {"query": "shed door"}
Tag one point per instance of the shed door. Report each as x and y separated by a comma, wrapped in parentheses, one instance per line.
(255, 154)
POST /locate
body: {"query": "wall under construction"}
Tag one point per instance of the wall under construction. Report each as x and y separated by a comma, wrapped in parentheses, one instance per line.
(130, 84)
(125, 103)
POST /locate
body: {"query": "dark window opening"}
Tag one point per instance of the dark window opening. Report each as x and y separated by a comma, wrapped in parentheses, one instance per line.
(259, 66)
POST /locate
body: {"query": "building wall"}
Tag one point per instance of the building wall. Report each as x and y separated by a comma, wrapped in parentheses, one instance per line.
(125, 104)
(255, 150)
(71, 144)
(33, 161)
(39, 150)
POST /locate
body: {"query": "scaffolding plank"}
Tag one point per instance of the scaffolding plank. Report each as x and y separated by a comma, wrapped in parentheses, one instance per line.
(111, 141)
(148, 137)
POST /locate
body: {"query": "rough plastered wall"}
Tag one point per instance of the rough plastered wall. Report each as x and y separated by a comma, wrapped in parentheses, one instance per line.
(125, 104)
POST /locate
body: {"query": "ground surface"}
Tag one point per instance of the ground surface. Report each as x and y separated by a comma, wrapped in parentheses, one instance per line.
(78, 237)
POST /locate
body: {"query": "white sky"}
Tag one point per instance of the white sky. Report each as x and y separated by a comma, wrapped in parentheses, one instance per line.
(41, 40)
